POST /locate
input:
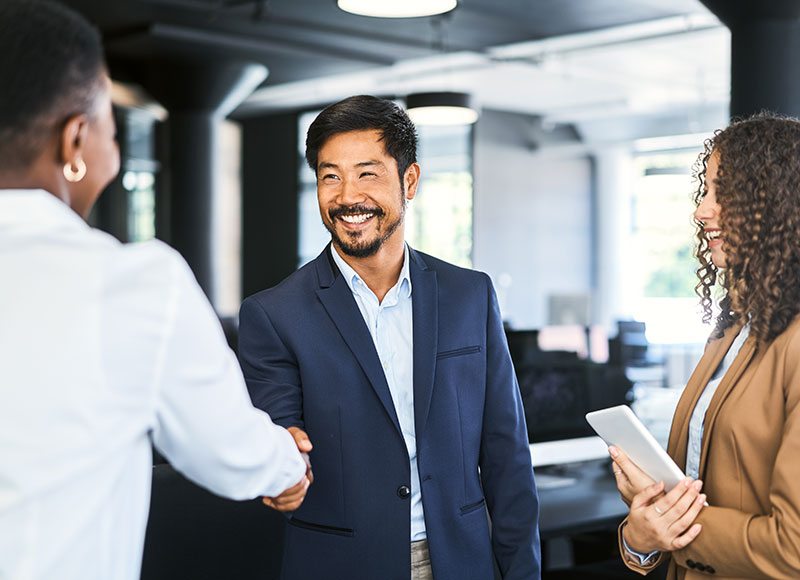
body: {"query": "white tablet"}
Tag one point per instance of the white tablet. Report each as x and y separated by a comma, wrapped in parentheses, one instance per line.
(619, 426)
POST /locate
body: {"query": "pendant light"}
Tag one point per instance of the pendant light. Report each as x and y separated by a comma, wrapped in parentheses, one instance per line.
(446, 108)
(397, 8)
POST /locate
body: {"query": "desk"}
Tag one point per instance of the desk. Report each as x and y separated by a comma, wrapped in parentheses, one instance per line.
(590, 504)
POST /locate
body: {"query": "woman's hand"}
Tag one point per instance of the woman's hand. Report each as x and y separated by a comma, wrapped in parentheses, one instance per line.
(630, 479)
(664, 522)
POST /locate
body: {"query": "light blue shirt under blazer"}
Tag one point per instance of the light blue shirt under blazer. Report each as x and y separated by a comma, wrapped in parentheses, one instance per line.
(391, 326)
(697, 422)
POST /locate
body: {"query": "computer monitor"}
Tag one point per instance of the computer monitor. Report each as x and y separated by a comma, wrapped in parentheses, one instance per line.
(558, 388)
(555, 398)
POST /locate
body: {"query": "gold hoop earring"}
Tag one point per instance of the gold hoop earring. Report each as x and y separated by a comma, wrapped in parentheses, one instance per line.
(75, 175)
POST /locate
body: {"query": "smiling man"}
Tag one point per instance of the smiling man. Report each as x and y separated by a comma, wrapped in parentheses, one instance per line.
(394, 364)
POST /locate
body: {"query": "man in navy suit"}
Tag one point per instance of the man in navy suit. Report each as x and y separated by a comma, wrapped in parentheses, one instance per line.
(395, 366)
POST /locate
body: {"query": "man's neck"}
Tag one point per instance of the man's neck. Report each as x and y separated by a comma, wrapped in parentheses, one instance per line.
(381, 270)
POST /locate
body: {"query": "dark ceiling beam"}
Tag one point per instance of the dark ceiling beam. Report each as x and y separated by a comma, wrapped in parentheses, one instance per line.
(733, 12)
(212, 41)
(286, 29)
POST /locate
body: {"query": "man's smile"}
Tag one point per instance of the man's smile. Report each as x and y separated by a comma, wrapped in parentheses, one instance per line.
(359, 218)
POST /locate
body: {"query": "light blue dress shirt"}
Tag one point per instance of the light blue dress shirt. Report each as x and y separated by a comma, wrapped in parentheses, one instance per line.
(697, 422)
(391, 326)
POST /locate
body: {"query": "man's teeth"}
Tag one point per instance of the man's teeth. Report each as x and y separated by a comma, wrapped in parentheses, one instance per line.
(356, 219)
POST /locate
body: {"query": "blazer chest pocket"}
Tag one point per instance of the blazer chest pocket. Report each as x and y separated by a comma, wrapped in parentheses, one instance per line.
(347, 532)
(458, 352)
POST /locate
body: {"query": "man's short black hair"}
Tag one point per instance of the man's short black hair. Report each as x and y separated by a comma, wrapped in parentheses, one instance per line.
(364, 113)
(50, 64)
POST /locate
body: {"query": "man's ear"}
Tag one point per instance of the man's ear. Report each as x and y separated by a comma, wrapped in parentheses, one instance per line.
(411, 179)
(73, 139)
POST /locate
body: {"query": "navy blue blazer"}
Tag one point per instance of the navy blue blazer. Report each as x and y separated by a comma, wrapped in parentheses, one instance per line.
(310, 362)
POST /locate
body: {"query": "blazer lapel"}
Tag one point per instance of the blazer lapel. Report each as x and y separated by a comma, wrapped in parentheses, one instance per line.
(679, 432)
(337, 298)
(424, 298)
(725, 387)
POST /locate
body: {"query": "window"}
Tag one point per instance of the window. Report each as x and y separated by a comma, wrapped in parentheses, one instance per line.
(663, 246)
(439, 218)
(662, 224)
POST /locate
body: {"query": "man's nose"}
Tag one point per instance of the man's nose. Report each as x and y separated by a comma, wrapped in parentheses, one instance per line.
(350, 193)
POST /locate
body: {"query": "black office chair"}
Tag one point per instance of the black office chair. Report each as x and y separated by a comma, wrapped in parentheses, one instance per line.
(194, 534)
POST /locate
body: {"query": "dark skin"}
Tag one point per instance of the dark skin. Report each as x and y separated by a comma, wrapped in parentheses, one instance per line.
(89, 139)
(291, 499)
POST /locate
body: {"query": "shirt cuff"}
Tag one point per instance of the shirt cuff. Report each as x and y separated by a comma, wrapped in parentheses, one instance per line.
(643, 558)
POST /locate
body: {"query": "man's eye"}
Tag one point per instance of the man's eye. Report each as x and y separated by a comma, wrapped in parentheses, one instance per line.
(330, 177)
(367, 174)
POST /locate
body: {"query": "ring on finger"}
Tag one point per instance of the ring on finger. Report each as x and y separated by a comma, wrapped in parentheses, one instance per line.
(658, 511)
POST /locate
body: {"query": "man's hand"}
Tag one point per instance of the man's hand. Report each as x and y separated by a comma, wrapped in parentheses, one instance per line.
(292, 498)
(304, 446)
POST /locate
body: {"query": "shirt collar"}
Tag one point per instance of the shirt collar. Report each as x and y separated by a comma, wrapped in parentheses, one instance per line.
(352, 278)
(36, 206)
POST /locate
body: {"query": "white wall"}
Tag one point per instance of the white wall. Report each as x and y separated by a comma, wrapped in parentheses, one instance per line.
(532, 225)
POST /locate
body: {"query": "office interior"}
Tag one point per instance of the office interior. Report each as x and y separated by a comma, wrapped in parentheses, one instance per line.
(572, 190)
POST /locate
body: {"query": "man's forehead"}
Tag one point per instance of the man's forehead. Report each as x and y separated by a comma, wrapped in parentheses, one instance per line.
(364, 135)
(354, 148)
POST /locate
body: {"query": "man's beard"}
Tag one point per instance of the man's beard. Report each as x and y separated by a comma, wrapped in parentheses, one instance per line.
(352, 244)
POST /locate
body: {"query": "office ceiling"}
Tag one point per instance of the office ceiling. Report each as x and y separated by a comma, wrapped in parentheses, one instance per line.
(565, 60)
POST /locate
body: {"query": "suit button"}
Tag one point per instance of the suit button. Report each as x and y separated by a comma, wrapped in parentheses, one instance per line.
(710, 569)
(700, 567)
(691, 564)
(404, 491)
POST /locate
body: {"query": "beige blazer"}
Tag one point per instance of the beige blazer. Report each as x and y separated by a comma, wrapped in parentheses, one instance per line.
(750, 463)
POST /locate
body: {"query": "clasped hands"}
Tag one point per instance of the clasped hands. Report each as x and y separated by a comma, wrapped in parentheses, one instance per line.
(659, 520)
(292, 498)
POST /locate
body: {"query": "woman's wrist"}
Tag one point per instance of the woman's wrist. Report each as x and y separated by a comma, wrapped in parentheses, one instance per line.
(631, 544)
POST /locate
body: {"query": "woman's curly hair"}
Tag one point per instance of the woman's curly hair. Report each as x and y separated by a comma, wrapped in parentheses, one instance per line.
(758, 190)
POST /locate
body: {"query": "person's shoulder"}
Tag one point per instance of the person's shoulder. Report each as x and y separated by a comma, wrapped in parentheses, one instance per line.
(790, 338)
(152, 254)
(151, 264)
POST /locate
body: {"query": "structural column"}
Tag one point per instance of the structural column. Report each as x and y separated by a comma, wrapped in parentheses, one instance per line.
(765, 42)
(198, 95)
(615, 256)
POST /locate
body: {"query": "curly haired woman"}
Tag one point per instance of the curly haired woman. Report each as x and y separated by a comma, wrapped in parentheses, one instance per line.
(736, 430)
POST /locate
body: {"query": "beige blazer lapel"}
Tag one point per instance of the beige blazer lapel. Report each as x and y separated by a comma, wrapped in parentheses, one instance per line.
(731, 378)
(713, 355)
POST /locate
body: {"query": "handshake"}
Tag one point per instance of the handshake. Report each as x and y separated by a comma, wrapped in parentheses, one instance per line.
(292, 498)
